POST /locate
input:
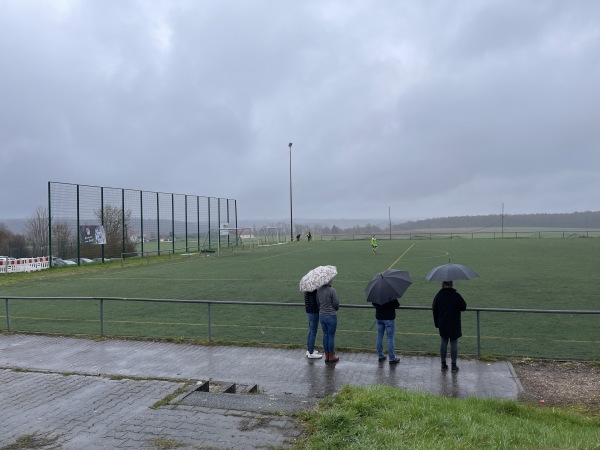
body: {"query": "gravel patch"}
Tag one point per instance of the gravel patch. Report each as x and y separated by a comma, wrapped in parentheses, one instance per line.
(557, 383)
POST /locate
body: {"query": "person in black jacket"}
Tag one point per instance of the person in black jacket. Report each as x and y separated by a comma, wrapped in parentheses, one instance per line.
(312, 313)
(447, 306)
(385, 316)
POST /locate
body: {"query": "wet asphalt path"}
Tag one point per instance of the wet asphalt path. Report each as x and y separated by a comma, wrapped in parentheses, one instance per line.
(88, 394)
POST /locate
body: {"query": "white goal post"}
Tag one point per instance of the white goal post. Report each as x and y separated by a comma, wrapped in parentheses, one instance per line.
(232, 237)
(271, 236)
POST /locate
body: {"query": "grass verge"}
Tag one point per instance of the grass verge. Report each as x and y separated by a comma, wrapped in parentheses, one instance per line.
(383, 417)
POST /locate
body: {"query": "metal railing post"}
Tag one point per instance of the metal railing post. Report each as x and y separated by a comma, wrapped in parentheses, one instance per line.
(101, 317)
(209, 329)
(478, 337)
(7, 315)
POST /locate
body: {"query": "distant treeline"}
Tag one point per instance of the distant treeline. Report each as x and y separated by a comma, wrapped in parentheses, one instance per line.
(586, 219)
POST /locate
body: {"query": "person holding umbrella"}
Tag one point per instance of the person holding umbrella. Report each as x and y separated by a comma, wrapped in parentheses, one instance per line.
(385, 316)
(383, 292)
(447, 307)
(319, 280)
(329, 304)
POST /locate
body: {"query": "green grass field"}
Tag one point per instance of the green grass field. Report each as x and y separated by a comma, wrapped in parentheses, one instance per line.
(555, 274)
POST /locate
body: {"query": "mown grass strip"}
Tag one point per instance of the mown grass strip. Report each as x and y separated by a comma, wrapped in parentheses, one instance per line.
(383, 417)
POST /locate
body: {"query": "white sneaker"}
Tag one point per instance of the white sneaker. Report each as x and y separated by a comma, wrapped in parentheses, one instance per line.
(314, 355)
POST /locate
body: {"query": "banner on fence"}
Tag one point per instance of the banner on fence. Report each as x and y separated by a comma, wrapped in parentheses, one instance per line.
(92, 234)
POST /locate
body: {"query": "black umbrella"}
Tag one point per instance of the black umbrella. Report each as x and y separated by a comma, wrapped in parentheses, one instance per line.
(387, 286)
(449, 272)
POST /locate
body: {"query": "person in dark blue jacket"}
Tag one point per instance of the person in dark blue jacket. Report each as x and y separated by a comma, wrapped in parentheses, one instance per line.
(447, 307)
(385, 316)
(312, 314)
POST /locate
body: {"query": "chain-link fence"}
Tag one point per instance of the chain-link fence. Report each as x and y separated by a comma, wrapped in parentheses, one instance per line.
(97, 222)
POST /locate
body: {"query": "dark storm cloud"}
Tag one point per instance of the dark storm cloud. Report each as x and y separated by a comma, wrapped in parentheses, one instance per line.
(427, 108)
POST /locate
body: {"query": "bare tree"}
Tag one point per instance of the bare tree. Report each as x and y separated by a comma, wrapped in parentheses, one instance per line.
(18, 246)
(62, 240)
(113, 220)
(37, 231)
(6, 237)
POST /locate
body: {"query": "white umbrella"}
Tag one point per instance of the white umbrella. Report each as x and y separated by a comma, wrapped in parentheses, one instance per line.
(317, 277)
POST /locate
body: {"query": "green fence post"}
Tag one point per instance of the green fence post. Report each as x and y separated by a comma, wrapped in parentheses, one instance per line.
(142, 220)
(7, 315)
(478, 337)
(209, 328)
(78, 231)
(187, 245)
(173, 223)
(158, 224)
(50, 224)
(101, 317)
(123, 225)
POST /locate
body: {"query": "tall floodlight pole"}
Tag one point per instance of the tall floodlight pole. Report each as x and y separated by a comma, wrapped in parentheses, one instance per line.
(390, 219)
(291, 220)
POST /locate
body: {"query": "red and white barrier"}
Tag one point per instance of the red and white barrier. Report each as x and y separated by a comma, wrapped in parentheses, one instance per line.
(12, 265)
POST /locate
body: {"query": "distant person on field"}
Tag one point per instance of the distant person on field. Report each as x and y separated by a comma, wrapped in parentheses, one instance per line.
(447, 307)
(312, 314)
(298, 237)
(309, 236)
(385, 316)
(374, 244)
(329, 304)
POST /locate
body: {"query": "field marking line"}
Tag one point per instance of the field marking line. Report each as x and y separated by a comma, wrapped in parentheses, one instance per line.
(534, 339)
(402, 255)
(276, 256)
(443, 253)
(178, 279)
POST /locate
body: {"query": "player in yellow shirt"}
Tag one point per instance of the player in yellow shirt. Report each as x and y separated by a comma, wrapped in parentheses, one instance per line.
(374, 244)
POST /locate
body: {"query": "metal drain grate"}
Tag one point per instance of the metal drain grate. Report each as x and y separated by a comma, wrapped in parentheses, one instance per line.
(226, 388)
(241, 397)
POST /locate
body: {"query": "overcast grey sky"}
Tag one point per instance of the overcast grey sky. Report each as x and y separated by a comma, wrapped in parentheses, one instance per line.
(428, 108)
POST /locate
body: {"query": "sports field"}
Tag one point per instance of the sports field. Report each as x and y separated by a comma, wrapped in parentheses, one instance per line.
(556, 274)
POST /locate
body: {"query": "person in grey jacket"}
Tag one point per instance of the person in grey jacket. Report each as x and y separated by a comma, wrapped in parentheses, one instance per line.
(328, 306)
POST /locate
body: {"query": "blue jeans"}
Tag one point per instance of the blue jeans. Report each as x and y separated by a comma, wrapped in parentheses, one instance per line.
(389, 327)
(313, 327)
(328, 325)
(453, 349)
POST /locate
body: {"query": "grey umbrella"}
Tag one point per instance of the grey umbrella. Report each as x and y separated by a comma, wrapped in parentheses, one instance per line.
(449, 272)
(387, 286)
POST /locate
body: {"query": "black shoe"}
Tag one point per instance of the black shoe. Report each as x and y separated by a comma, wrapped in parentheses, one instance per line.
(454, 368)
(394, 361)
(444, 366)
(382, 359)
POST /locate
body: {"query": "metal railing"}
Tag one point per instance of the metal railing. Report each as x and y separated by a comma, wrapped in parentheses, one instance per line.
(209, 303)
